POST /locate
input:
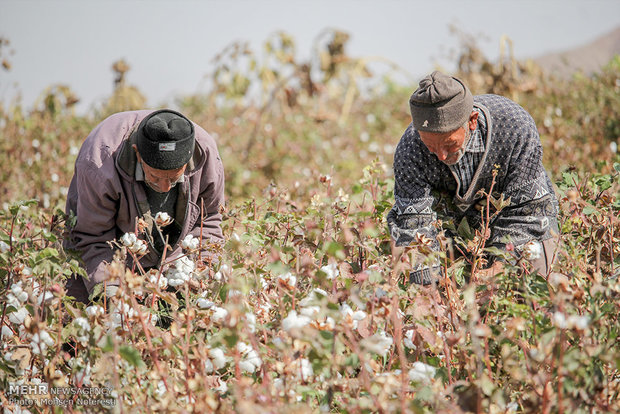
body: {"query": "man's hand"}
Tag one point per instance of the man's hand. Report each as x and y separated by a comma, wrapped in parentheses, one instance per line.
(397, 251)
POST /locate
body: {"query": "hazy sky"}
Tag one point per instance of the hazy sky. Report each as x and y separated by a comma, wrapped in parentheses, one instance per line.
(170, 44)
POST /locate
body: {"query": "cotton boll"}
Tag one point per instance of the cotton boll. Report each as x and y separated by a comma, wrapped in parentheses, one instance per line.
(203, 303)
(44, 297)
(559, 320)
(40, 342)
(578, 322)
(82, 323)
(351, 318)
(217, 357)
(190, 242)
(6, 332)
(94, 311)
(293, 321)
(219, 314)
(532, 250)
(83, 330)
(250, 361)
(250, 318)
(313, 298)
(208, 366)
(4, 247)
(163, 219)
(421, 372)
(310, 311)
(288, 280)
(408, 339)
(129, 239)
(379, 343)
(18, 316)
(331, 271)
(302, 369)
(222, 386)
(162, 283)
(18, 292)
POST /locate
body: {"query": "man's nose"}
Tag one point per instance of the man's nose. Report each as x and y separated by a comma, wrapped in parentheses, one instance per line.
(164, 185)
(441, 154)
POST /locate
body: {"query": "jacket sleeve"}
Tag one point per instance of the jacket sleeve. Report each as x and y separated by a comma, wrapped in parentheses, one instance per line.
(532, 212)
(211, 202)
(412, 214)
(95, 212)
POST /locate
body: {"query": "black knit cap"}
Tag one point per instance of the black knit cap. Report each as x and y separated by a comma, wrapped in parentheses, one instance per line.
(441, 103)
(165, 140)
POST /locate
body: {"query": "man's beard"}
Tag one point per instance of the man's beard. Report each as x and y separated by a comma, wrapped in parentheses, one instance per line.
(459, 154)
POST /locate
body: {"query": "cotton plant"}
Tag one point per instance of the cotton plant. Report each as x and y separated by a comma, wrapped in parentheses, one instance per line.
(250, 322)
(288, 280)
(301, 369)
(223, 273)
(315, 297)
(293, 321)
(120, 315)
(18, 316)
(133, 244)
(156, 278)
(190, 243)
(163, 219)
(408, 339)
(250, 360)
(180, 272)
(94, 311)
(379, 343)
(351, 318)
(5, 332)
(218, 315)
(331, 271)
(216, 359)
(83, 330)
(40, 341)
(421, 372)
(532, 250)
(41, 296)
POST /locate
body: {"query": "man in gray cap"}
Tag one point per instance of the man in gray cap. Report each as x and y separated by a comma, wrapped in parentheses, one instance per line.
(131, 167)
(453, 146)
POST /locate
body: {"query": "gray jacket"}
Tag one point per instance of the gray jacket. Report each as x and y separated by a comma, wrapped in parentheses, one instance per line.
(512, 147)
(106, 199)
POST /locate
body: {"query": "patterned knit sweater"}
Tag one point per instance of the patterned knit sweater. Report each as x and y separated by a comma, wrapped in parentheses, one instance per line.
(512, 147)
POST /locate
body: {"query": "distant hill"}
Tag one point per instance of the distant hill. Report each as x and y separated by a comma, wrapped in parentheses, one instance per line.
(587, 58)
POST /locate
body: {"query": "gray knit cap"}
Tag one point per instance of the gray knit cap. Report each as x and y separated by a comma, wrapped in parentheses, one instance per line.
(165, 140)
(441, 103)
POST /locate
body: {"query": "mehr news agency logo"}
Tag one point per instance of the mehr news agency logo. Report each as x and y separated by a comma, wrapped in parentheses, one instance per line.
(43, 395)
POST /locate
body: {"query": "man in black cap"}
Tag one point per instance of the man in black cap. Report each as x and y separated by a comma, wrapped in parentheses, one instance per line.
(133, 167)
(453, 146)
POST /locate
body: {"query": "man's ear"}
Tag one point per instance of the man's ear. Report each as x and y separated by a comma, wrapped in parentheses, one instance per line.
(473, 121)
(135, 148)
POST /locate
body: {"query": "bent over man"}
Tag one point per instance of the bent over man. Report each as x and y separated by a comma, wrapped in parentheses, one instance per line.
(453, 145)
(132, 166)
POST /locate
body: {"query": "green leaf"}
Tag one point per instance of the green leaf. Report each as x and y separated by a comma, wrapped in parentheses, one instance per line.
(327, 334)
(108, 345)
(335, 249)
(464, 230)
(588, 210)
(14, 208)
(131, 355)
(47, 253)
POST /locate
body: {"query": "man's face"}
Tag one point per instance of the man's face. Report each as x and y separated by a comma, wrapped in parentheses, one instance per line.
(161, 181)
(449, 147)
